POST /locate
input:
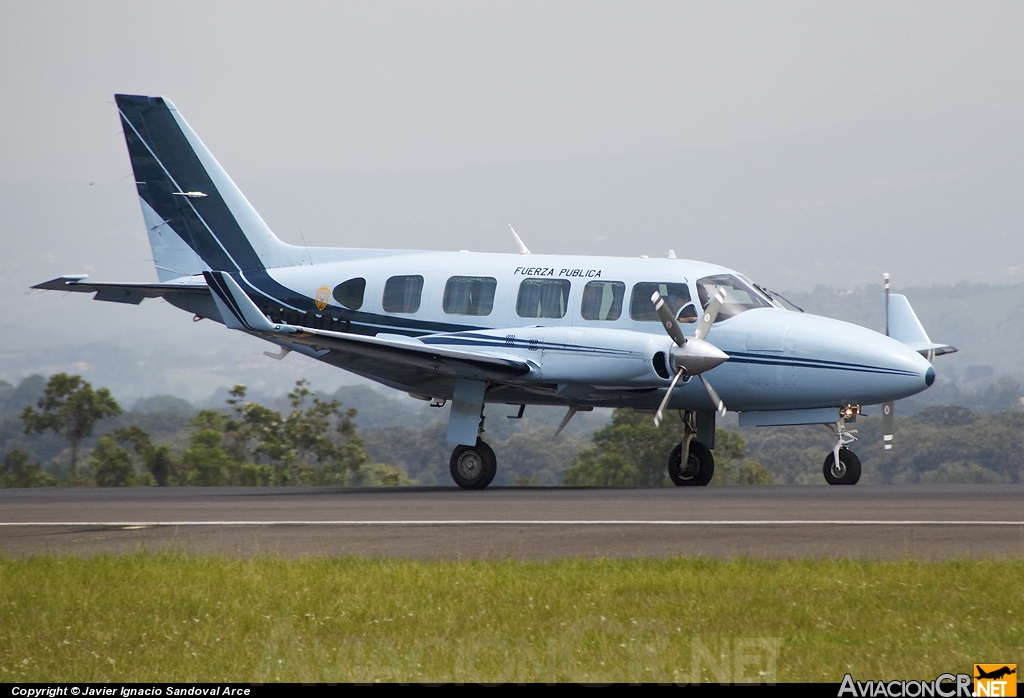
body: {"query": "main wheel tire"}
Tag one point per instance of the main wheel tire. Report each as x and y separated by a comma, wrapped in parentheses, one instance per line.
(700, 467)
(846, 472)
(473, 467)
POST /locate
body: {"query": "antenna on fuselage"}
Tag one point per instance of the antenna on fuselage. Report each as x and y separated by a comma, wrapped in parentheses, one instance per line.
(523, 249)
(889, 408)
(308, 255)
(885, 286)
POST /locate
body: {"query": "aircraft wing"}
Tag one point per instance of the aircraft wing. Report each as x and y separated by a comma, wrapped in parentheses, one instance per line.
(240, 313)
(127, 292)
(409, 351)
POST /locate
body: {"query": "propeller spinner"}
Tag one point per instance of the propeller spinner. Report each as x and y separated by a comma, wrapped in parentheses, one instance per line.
(691, 356)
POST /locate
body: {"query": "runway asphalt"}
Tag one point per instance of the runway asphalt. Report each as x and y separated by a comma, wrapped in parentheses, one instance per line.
(948, 521)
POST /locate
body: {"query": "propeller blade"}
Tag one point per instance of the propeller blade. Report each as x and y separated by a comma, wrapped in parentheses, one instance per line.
(710, 314)
(719, 405)
(668, 319)
(888, 424)
(664, 401)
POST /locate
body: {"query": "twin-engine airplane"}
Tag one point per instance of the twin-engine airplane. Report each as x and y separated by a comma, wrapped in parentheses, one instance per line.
(475, 328)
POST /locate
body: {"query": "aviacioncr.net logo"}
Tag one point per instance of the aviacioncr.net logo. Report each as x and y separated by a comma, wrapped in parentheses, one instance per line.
(995, 680)
(944, 686)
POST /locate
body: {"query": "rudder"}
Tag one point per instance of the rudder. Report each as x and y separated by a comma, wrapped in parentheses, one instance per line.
(196, 216)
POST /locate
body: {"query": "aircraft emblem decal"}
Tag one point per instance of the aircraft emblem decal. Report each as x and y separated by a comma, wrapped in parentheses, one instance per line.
(323, 294)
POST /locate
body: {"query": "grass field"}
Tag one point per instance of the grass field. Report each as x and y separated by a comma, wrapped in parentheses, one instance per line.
(168, 617)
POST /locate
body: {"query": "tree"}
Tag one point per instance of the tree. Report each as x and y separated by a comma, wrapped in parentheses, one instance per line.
(157, 460)
(111, 464)
(314, 444)
(18, 472)
(730, 450)
(631, 452)
(205, 462)
(69, 405)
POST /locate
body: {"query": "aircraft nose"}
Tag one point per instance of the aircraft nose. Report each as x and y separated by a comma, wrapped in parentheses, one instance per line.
(902, 356)
(849, 363)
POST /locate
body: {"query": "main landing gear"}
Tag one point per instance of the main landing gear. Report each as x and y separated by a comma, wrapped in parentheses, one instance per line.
(473, 467)
(842, 466)
(697, 467)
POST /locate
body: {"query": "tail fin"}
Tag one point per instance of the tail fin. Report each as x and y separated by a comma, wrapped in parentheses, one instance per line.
(905, 327)
(197, 218)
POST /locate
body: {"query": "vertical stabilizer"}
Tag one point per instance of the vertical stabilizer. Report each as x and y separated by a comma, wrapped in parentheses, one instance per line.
(197, 218)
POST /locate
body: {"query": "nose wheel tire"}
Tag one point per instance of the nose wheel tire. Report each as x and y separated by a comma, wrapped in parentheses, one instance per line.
(845, 472)
(699, 468)
(473, 467)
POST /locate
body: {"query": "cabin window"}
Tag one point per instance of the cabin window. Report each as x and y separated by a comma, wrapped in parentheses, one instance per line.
(543, 298)
(602, 300)
(350, 293)
(402, 294)
(739, 296)
(642, 309)
(469, 295)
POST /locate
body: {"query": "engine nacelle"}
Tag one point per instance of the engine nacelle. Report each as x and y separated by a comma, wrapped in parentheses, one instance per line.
(588, 355)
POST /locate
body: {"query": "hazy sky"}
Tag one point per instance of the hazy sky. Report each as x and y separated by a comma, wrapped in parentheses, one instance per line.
(800, 142)
(278, 88)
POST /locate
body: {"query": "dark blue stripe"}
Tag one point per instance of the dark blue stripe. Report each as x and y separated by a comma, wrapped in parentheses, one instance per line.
(284, 296)
(800, 362)
(370, 324)
(148, 122)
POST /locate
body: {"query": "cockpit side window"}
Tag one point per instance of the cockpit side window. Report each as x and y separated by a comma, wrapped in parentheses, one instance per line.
(739, 296)
(642, 309)
(687, 314)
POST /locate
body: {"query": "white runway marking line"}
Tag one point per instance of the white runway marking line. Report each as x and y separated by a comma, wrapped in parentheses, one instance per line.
(128, 525)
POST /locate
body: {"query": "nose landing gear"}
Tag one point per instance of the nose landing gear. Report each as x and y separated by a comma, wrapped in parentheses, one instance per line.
(845, 471)
(842, 466)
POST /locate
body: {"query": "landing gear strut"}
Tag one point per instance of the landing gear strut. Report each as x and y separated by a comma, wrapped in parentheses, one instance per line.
(473, 467)
(698, 466)
(842, 466)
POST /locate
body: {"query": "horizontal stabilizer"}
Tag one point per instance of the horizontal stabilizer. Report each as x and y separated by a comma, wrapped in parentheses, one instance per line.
(132, 293)
(905, 327)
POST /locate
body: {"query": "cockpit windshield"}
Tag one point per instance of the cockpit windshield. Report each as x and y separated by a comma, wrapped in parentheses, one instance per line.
(739, 295)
